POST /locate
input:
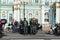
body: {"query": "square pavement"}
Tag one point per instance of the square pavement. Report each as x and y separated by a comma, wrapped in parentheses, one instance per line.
(39, 36)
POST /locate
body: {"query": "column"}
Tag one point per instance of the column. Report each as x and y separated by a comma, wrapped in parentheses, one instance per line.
(58, 11)
(42, 12)
(16, 10)
(16, 13)
(51, 17)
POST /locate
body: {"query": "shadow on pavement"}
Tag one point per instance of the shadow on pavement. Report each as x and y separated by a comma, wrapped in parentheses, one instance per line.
(2, 35)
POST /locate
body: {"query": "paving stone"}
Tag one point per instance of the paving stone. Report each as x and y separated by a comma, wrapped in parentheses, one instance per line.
(55, 39)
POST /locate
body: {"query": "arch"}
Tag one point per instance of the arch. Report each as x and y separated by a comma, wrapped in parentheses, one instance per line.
(46, 17)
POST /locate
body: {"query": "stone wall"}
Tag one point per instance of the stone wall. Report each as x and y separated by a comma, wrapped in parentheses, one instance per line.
(46, 27)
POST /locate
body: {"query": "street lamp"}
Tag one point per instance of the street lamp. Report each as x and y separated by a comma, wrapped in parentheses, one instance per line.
(24, 9)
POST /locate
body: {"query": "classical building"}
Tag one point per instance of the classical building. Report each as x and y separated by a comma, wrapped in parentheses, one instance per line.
(46, 11)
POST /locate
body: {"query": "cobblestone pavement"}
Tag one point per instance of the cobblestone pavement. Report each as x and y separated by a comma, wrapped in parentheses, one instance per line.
(39, 36)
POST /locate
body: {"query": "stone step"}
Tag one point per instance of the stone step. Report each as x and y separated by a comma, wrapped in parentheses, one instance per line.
(32, 37)
(16, 36)
(39, 35)
(29, 39)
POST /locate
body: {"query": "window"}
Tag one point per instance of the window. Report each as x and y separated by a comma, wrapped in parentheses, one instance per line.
(3, 1)
(10, 17)
(47, 2)
(47, 13)
(46, 20)
(10, 2)
(16, 0)
(30, 0)
(36, 1)
(46, 17)
(30, 12)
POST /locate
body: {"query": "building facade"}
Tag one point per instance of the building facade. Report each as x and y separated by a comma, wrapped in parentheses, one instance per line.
(39, 9)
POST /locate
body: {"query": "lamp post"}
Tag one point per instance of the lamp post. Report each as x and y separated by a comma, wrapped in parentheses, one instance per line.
(24, 9)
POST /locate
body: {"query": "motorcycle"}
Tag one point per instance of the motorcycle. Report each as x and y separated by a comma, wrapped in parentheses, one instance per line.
(55, 30)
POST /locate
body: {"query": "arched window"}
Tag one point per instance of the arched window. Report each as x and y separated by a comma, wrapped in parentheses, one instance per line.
(46, 17)
(46, 13)
(47, 2)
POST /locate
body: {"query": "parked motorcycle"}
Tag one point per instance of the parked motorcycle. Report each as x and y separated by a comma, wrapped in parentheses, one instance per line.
(55, 29)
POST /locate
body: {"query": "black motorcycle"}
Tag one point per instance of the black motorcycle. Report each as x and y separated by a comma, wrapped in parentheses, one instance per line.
(55, 29)
(4, 21)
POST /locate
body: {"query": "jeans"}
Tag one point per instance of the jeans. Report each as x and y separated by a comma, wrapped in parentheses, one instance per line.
(15, 29)
(25, 30)
(31, 29)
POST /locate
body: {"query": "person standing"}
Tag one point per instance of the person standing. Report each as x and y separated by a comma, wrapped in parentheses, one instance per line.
(33, 26)
(21, 25)
(15, 26)
(25, 26)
